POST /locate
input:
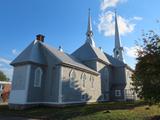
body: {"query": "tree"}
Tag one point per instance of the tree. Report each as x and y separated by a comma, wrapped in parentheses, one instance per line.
(3, 77)
(146, 78)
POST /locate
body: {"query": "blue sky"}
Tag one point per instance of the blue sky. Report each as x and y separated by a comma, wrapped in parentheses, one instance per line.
(64, 22)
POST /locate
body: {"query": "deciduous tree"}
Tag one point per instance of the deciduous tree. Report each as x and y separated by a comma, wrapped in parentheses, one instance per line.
(146, 78)
(3, 77)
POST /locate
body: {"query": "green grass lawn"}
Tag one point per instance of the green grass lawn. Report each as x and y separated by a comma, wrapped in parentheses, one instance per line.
(99, 111)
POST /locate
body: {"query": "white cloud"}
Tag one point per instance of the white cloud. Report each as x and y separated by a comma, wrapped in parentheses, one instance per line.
(15, 52)
(137, 18)
(107, 23)
(132, 51)
(110, 3)
(4, 60)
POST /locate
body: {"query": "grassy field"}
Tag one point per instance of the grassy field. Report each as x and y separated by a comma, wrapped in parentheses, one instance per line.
(100, 111)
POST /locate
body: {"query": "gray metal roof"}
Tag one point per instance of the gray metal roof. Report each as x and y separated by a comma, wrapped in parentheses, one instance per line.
(113, 61)
(100, 55)
(35, 53)
(67, 59)
(32, 53)
(88, 52)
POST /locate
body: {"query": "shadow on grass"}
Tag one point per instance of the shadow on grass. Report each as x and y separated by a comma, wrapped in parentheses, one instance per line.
(54, 113)
(157, 117)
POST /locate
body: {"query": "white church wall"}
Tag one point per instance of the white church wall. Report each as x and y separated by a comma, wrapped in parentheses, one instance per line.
(129, 93)
(19, 93)
(128, 79)
(79, 93)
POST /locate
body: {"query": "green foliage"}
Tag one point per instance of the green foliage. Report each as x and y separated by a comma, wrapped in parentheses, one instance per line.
(3, 77)
(146, 78)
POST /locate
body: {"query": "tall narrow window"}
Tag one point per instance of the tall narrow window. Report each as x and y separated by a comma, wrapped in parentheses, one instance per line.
(83, 80)
(72, 77)
(38, 77)
(92, 81)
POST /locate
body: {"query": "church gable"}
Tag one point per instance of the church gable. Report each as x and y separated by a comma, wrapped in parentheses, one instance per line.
(88, 53)
(85, 52)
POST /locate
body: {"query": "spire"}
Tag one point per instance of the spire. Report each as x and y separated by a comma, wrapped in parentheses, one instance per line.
(89, 30)
(117, 39)
(118, 50)
(89, 34)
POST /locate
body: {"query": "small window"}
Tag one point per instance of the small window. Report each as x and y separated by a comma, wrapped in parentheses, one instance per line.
(83, 97)
(117, 93)
(38, 77)
(117, 52)
(83, 79)
(72, 77)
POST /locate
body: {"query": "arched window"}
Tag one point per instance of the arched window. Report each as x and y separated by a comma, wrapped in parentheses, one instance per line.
(92, 81)
(83, 80)
(38, 77)
(72, 77)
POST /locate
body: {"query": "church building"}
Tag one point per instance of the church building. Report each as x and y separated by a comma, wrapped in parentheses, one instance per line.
(44, 75)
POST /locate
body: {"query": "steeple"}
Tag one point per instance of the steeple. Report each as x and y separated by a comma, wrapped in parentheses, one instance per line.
(89, 34)
(118, 50)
